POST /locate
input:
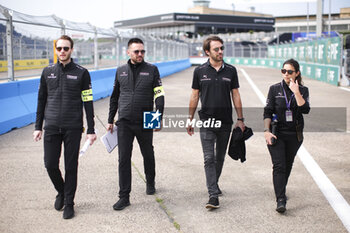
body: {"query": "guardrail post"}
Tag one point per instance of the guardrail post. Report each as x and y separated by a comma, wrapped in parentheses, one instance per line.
(61, 23)
(117, 41)
(34, 46)
(251, 50)
(20, 47)
(343, 64)
(47, 49)
(9, 41)
(154, 50)
(233, 49)
(95, 50)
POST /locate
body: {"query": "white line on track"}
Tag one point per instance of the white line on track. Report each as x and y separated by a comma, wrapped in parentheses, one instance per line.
(335, 199)
(344, 88)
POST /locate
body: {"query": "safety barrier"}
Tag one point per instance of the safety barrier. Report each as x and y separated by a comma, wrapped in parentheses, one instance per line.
(18, 99)
(329, 74)
(171, 67)
(18, 104)
(25, 64)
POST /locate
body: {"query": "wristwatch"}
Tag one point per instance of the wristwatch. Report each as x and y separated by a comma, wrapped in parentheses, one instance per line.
(240, 119)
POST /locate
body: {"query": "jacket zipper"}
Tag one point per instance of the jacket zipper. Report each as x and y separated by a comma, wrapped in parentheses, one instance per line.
(60, 110)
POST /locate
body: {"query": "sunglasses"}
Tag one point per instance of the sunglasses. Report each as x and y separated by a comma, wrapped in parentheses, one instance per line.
(139, 51)
(288, 71)
(217, 49)
(64, 48)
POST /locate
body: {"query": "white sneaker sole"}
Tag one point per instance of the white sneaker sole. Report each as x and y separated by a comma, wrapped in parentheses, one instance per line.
(210, 206)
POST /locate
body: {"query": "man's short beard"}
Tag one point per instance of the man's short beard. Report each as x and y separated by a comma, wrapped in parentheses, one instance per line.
(138, 62)
(217, 60)
(67, 59)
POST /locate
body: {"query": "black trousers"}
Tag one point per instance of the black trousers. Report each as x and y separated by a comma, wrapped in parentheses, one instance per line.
(126, 134)
(282, 155)
(52, 152)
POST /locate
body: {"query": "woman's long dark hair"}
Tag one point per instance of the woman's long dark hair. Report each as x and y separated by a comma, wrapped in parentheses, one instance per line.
(296, 66)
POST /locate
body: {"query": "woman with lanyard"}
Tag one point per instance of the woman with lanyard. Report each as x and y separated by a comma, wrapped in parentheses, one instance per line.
(285, 104)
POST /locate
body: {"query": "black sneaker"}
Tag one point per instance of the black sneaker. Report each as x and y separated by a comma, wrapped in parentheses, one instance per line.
(68, 212)
(121, 204)
(281, 205)
(59, 203)
(150, 189)
(213, 203)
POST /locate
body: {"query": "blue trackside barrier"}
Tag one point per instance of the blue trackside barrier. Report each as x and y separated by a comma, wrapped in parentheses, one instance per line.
(28, 92)
(171, 67)
(18, 99)
(102, 82)
(18, 104)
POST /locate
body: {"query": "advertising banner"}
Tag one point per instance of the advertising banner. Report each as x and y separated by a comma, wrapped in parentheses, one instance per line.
(318, 59)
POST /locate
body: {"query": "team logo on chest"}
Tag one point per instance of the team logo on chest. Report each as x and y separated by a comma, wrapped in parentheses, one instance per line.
(205, 78)
(123, 74)
(71, 77)
(51, 76)
(279, 95)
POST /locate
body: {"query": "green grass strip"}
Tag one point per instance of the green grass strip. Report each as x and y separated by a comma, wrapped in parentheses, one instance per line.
(160, 202)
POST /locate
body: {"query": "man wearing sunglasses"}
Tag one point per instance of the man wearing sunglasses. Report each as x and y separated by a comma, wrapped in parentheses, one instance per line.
(137, 86)
(215, 83)
(65, 88)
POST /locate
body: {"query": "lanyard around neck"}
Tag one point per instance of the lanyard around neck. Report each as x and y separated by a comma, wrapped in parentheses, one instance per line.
(285, 97)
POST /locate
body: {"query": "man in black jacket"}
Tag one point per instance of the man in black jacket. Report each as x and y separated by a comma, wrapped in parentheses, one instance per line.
(137, 84)
(64, 88)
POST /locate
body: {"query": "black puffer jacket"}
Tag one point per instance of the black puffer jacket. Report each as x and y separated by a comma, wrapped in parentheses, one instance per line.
(132, 97)
(60, 101)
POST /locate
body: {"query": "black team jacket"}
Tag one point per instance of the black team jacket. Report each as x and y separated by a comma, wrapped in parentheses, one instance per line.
(62, 93)
(135, 89)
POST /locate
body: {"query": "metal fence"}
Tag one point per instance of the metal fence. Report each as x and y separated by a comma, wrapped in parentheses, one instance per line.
(27, 44)
(234, 49)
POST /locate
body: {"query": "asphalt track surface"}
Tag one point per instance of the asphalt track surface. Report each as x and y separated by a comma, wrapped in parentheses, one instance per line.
(248, 202)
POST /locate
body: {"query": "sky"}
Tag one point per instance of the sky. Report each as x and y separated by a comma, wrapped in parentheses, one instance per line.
(102, 13)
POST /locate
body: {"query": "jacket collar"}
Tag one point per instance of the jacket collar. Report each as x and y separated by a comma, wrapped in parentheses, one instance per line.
(135, 65)
(68, 66)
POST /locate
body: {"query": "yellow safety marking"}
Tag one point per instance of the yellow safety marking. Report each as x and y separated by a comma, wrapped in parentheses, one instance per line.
(158, 91)
(87, 98)
(87, 92)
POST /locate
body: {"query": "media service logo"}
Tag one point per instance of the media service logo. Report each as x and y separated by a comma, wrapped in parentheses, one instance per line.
(151, 120)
